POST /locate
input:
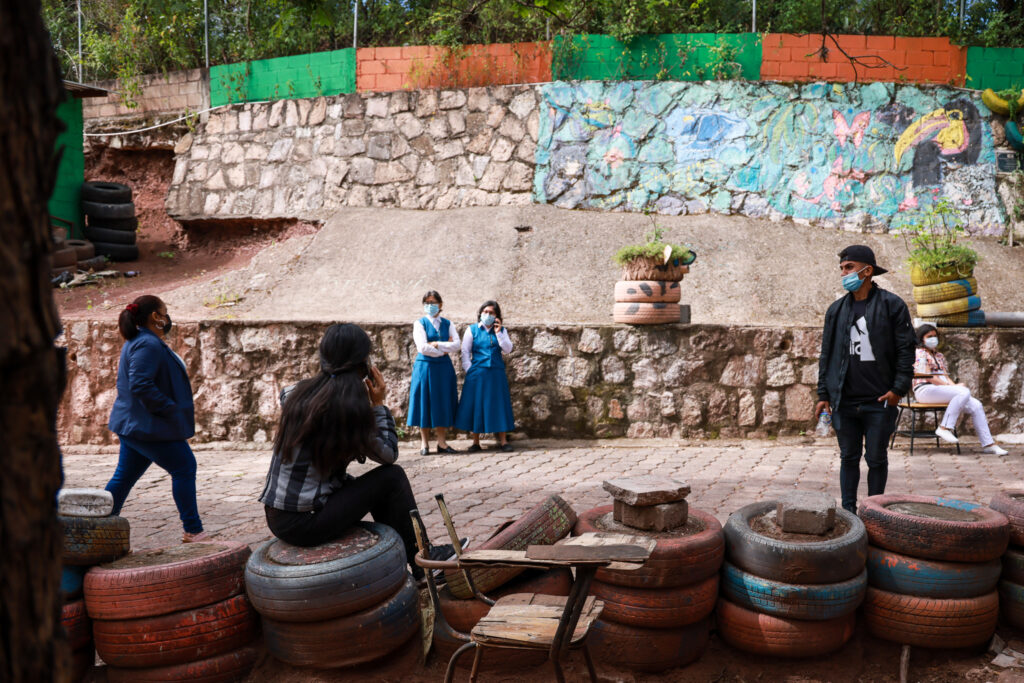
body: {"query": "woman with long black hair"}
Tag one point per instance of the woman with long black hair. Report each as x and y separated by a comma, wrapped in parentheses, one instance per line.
(328, 421)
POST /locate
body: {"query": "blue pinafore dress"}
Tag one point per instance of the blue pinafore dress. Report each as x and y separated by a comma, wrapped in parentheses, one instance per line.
(433, 394)
(486, 403)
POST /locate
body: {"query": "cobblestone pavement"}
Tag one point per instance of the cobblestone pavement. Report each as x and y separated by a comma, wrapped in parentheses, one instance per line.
(483, 490)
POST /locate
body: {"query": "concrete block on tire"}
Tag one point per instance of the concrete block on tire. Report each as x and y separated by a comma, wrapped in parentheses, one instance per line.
(660, 517)
(646, 314)
(650, 650)
(94, 540)
(647, 291)
(806, 512)
(764, 634)
(931, 622)
(232, 666)
(84, 502)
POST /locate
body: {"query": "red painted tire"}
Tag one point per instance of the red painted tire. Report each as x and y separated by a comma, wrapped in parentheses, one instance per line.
(764, 634)
(177, 638)
(931, 622)
(1011, 604)
(462, 615)
(1013, 566)
(968, 533)
(349, 640)
(678, 559)
(647, 291)
(1011, 504)
(543, 525)
(232, 666)
(657, 607)
(646, 314)
(154, 582)
(76, 624)
(648, 649)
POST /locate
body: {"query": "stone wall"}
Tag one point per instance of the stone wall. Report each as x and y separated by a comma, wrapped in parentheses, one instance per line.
(428, 149)
(699, 381)
(175, 91)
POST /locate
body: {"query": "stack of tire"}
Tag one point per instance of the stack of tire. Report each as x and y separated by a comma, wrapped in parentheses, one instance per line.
(1002, 107)
(947, 297)
(649, 291)
(335, 605)
(91, 536)
(785, 596)
(110, 221)
(1011, 585)
(70, 256)
(174, 614)
(657, 617)
(933, 566)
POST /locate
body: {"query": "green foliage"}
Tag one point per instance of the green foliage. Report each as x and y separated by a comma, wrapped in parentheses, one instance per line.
(654, 248)
(933, 240)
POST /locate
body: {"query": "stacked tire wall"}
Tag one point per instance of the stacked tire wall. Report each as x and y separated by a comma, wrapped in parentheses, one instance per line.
(649, 293)
(1011, 586)
(110, 221)
(947, 297)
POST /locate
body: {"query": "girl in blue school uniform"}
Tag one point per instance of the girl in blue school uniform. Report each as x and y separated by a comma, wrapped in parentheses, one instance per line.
(486, 403)
(433, 395)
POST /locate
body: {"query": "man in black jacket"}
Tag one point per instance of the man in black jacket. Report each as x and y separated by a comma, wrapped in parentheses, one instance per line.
(866, 365)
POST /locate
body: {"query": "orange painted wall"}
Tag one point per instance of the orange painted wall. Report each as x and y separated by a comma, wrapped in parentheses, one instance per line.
(788, 57)
(398, 68)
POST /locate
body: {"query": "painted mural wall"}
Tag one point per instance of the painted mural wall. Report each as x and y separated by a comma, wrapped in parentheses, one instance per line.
(845, 155)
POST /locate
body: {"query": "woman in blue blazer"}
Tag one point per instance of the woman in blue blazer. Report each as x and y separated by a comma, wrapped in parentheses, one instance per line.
(153, 415)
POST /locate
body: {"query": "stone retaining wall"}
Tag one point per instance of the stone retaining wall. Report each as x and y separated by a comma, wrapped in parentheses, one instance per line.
(699, 381)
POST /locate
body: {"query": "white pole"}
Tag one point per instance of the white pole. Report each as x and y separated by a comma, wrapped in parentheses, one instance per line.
(206, 31)
(962, 12)
(355, 22)
(79, 8)
(753, 17)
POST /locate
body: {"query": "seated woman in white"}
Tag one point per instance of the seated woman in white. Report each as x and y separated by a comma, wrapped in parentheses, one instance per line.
(938, 387)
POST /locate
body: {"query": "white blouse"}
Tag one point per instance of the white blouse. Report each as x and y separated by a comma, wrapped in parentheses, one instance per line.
(419, 336)
(467, 344)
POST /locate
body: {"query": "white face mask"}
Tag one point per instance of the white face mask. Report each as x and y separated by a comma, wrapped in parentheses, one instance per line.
(931, 342)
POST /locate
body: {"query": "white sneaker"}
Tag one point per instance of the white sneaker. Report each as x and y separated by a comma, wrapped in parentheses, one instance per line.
(946, 435)
(994, 450)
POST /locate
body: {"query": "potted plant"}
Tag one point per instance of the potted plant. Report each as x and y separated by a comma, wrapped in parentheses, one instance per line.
(649, 291)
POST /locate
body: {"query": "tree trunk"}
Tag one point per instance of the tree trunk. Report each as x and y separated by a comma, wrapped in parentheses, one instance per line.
(30, 370)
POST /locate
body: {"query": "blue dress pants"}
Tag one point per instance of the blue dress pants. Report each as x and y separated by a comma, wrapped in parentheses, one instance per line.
(175, 457)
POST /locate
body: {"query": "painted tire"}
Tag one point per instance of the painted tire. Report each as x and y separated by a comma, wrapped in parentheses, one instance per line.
(951, 307)
(109, 235)
(828, 561)
(657, 608)
(648, 649)
(1011, 504)
(177, 638)
(931, 622)
(1013, 136)
(647, 291)
(646, 314)
(107, 210)
(349, 640)
(946, 291)
(543, 525)
(93, 540)
(651, 269)
(1013, 566)
(76, 624)
(359, 570)
(969, 319)
(154, 582)
(462, 615)
(997, 104)
(84, 503)
(813, 602)
(907, 575)
(1011, 603)
(765, 634)
(64, 257)
(71, 578)
(106, 192)
(83, 249)
(678, 559)
(920, 278)
(233, 666)
(971, 533)
(117, 252)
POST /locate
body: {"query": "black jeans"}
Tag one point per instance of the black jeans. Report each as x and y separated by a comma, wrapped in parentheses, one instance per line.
(384, 492)
(863, 428)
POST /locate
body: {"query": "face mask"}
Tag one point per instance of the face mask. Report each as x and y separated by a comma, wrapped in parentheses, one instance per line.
(431, 309)
(167, 325)
(487, 319)
(931, 342)
(852, 282)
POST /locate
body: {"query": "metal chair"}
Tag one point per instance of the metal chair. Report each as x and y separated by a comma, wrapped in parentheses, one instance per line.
(917, 413)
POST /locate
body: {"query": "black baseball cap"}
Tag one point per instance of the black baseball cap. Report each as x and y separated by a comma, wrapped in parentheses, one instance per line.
(861, 254)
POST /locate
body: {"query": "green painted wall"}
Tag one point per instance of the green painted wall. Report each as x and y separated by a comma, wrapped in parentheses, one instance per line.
(312, 75)
(64, 202)
(995, 67)
(676, 56)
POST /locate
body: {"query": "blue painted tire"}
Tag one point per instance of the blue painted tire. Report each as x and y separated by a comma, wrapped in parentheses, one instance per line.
(907, 575)
(1013, 136)
(71, 582)
(814, 602)
(1011, 604)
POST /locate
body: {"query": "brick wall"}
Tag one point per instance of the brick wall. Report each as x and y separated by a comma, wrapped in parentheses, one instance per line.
(787, 57)
(427, 66)
(995, 67)
(175, 91)
(299, 76)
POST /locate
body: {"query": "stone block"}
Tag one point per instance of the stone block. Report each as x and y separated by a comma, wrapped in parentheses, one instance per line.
(646, 490)
(651, 517)
(806, 512)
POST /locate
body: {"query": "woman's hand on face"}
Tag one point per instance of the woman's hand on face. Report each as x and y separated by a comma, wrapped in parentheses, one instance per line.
(375, 387)
(497, 325)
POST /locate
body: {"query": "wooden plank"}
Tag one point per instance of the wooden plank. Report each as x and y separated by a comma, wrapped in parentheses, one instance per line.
(599, 538)
(583, 553)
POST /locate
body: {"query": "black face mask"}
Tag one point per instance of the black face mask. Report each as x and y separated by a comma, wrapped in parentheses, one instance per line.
(167, 325)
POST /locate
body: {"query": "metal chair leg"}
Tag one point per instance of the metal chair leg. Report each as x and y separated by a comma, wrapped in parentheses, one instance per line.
(590, 664)
(477, 657)
(899, 416)
(913, 429)
(450, 673)
(935, 419)
(559, 676)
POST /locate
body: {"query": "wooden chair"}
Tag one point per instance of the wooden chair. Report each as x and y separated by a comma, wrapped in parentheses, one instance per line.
(524, 620)
(917, 413)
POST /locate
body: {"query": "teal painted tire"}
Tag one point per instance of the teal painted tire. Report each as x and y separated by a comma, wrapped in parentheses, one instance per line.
(813, 602)
(1013, 566)
(1011, 604)
(1013, 136)
(896, 573)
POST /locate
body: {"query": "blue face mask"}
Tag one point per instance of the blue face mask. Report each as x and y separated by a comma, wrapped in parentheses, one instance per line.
(487, 319)
(852, 282)
(431, 309)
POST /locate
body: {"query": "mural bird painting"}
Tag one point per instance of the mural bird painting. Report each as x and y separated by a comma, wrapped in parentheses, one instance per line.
(952, 133)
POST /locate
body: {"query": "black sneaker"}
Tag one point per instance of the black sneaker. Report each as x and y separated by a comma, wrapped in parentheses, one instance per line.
(440, 553)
